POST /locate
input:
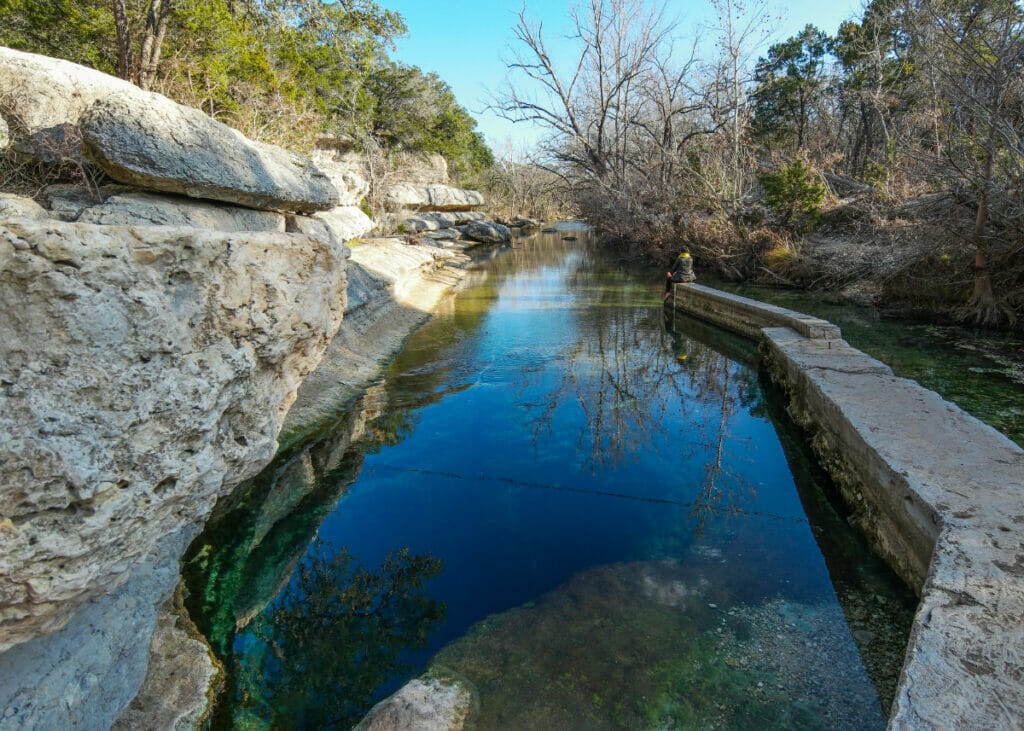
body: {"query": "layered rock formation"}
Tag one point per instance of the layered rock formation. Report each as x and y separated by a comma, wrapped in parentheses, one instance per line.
(150, 347)
(146, 139)
(411, 196)
(146, 372)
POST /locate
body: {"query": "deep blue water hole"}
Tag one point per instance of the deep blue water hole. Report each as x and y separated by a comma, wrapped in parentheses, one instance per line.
(553, 438)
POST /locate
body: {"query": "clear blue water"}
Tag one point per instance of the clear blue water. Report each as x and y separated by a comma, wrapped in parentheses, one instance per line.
(561, 465)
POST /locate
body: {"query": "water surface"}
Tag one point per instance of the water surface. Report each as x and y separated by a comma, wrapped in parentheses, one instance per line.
(601, 518)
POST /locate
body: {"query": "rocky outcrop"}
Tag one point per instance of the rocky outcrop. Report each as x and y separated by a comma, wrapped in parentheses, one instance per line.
(145, 372)
(62, 109)
(145, 209)
(415, 197)
(440, 702)
(392, 288)
(5, 137)
(486, 233)
(146, 139)
(421, 169)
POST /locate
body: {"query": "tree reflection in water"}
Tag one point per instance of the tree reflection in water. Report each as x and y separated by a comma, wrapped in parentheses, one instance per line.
(315, 656)
(628, 375)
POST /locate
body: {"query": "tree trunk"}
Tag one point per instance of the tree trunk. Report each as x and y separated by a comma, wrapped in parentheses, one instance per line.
(152, 41)
(983, 296)
(124, 41)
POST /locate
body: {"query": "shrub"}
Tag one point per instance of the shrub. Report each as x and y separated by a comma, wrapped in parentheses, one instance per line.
(795, 195)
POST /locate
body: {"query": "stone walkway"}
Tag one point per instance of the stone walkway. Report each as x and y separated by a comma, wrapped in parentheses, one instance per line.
(939, 494)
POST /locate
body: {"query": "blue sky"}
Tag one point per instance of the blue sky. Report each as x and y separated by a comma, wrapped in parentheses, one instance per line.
(465, 42)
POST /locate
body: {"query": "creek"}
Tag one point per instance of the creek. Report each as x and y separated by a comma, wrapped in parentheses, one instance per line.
(598, 515)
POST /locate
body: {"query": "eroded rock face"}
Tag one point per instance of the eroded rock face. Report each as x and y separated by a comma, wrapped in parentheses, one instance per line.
(4, 135)
(146, 139)
(347, 172)
(143, 373)
(440, 220)
(144, 209)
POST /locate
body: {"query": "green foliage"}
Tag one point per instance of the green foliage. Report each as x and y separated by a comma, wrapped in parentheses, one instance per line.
(279, 70)
(789, 82)
(795, 195)
(415, 111)
(78, 30)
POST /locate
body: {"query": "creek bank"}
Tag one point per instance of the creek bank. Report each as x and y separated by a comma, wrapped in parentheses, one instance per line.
(939, 495)
(258, 535)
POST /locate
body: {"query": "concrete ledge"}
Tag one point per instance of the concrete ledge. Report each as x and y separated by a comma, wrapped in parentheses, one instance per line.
(940, 496)
(746, 316)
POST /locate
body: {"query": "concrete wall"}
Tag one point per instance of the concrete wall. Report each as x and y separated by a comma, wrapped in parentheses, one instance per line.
(939, 495)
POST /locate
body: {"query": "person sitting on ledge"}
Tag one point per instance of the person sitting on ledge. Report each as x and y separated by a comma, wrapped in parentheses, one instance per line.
(682, 272)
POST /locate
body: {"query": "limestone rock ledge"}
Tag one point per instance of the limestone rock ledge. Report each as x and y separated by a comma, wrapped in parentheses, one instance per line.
(144, 372)
(393, 287)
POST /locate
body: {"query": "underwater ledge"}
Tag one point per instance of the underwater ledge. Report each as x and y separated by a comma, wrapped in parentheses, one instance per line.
(938, 493)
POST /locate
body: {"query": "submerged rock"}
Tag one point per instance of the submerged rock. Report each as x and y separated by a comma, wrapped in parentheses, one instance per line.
(442, 701)
(658, 644)
(145, 372)
(181, 676)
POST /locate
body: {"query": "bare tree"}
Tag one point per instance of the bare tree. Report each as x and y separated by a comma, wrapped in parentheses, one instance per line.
(976, 53)
(742, 27)
(589, 109)
(140, 66)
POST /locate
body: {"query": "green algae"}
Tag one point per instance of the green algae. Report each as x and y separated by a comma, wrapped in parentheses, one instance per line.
(638, 645)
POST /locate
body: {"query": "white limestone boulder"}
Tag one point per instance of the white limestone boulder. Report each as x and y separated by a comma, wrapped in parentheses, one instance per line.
(18, 206)
(147, 140)
(43, 98)
(5, 137)
(440, 703)
(346, 222)
(432, 197)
